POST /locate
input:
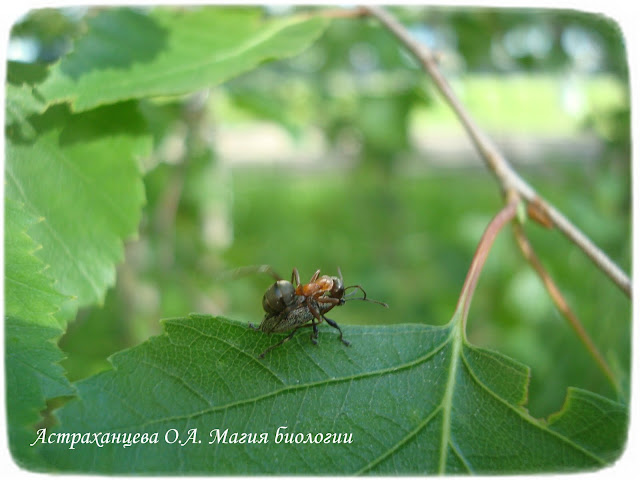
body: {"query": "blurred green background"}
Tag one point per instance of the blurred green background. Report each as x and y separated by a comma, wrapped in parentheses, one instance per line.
(346, 157)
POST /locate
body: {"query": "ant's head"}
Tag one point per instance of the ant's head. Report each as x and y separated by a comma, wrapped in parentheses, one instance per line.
(337, 289)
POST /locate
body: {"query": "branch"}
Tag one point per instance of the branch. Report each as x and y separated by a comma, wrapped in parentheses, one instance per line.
(506, 176)
(343, 12)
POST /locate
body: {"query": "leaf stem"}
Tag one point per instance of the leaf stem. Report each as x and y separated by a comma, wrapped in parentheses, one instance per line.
(504, 216)
(493, 158)
(562, 305)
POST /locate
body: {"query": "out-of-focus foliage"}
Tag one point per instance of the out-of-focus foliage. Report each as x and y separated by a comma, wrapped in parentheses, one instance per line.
(376, 205)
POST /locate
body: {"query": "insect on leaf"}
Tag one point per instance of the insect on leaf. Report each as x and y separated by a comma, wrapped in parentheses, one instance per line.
(410, 398)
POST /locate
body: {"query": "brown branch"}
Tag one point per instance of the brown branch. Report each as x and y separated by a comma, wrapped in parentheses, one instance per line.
(562, 305)
(343, 12)
(497, 163)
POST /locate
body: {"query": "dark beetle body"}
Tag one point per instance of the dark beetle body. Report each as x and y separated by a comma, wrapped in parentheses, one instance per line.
(299, 314)
(279, 297)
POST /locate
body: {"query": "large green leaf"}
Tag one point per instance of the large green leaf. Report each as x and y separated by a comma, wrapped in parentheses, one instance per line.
(413, 398)
(31, 356)
(131, 54)
(81, 177)
(73, 192)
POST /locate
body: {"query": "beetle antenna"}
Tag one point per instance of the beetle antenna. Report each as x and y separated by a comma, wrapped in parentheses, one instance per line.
(364, 297)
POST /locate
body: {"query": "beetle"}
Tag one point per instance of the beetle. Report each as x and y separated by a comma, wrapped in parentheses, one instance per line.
(294, 305)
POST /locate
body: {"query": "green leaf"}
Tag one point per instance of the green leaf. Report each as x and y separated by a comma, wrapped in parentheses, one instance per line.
(413, 398)
(81, 177)
(32, 371)
(29, 291)
(21, 102)
(33, 374)
(130, 54)
(73, 192)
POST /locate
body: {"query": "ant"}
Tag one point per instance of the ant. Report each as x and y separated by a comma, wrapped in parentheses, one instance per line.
(294, 305)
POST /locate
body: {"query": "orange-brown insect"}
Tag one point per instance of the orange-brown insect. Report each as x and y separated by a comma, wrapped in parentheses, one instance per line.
(294, 305)
(324, 290)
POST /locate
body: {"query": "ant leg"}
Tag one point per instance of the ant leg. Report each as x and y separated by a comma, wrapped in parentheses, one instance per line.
(335, 325)
(331, 300)
(284, 340)
(295, 277)
(314, 310)
(315, 276)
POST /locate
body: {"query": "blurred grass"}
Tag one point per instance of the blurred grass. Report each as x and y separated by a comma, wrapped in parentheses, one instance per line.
(409, 242)
(534, 104)
(378, 230)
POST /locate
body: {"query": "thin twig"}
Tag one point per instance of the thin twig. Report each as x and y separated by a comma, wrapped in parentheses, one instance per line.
(562, 305)
(497, 163)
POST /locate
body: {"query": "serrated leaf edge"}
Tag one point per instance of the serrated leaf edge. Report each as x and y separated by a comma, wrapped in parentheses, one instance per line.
(446, 440)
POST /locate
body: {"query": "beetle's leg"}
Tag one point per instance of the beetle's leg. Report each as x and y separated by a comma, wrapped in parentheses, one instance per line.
(269, 271)
(253, 327)
(314, 335)
(335, 325)
(243, 271)
(318, 316)
(284, 340)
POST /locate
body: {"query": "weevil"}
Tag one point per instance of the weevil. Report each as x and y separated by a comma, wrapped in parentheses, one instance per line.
(293, 305)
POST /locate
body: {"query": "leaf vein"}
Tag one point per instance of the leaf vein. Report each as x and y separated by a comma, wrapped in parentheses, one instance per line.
(232, 346)
(295, 387)
(179, 379)
(402, 442)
